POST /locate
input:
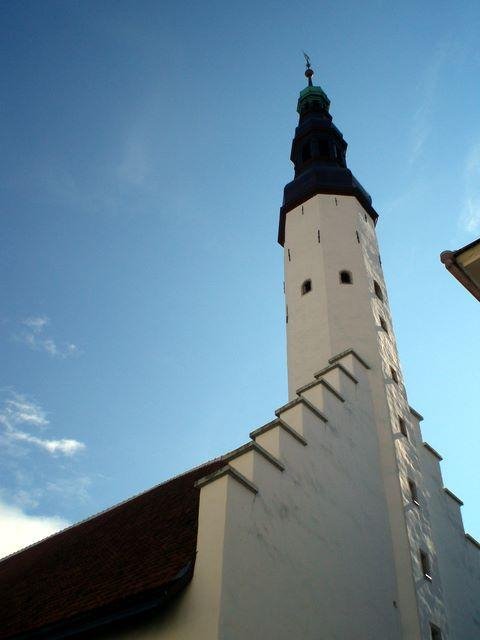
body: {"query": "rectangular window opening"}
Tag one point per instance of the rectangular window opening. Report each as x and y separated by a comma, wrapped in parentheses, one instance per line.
(383, 324)
(403, 427)
(318, 235)
(394, 375)
(358, 237)
(302, 209)
(413, 492)
(289, 257)
(425, 562)
(435, 633)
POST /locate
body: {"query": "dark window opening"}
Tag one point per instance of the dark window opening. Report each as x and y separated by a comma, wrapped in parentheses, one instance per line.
(306, 152)
(378, 290)
(358, 236)
(413, 492)
(336, 202)
(403, 427)
(435, 633)
(365, 216)
(318, 235)
(306, 287)
(425, 562)
(286, 314)
(289, 258)
(379, 260)
(383, 324)
(346, 277)
(302, 209)
(394, 374)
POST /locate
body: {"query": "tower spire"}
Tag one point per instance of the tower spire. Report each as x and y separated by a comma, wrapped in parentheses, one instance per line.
(309, 71)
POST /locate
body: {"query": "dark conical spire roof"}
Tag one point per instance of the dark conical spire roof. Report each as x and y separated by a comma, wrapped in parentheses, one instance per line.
(319, 156)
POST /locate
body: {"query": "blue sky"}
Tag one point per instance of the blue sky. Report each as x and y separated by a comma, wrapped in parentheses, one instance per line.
(145, 147)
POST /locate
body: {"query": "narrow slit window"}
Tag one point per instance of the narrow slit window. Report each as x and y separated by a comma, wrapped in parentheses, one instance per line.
(346, 277)
(318, 235)
(413, 492)
(394, 375)
(306, 287)
(425, 563)
(286, 314)
(403, 427)
(378, 290)
(358, 237)
(435, 633)
(336, 202)
(383, 324)
(289, 257)
(302, 209)
(379, 260)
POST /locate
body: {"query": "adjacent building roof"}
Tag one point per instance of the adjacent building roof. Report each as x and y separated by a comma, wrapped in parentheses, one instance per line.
(129, 558)
(464, 265)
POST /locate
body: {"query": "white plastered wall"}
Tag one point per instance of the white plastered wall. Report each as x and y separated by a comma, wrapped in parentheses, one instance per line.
(334, 317)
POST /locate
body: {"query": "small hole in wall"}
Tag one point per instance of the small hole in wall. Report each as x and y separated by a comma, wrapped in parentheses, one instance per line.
(336, 202)
(289, 257)
(394, 375)
(318, 235)
(378, 290)
(383, 324)
(302, 209)
(346, 277)
(306, 287)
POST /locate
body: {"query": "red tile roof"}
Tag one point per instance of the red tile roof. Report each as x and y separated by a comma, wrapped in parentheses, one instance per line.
(139, 547)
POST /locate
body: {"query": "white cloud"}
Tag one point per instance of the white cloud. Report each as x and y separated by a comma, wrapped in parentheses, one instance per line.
(20, 529)
(32, 334)
(470, 218)
(36, 323)
(17, 410)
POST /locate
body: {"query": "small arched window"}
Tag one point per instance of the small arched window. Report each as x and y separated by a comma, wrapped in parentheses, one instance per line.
(306, 287)
(346, 277)
(306, 152)
(378, 290)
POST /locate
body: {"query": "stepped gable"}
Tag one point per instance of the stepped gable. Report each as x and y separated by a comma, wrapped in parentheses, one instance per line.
(126, 559)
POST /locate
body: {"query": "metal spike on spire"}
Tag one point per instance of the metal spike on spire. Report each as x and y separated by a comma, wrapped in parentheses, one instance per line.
(309, 70)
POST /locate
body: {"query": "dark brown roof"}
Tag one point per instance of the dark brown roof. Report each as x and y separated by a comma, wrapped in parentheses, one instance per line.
(140, 547)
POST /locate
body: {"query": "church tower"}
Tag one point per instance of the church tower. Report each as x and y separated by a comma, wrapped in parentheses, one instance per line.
(337, 304)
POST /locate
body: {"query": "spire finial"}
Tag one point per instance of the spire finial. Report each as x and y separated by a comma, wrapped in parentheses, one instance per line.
(309, 70)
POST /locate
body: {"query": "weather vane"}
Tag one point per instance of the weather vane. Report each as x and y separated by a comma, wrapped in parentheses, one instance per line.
(309, 70)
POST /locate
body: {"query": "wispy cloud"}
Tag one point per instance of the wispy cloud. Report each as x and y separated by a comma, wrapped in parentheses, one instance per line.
(469, 220)
(423, 116)
(32, 333)
(17, 412)
(20, 529)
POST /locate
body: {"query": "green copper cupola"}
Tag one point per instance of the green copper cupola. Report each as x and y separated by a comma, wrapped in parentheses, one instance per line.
(319, 156)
